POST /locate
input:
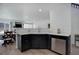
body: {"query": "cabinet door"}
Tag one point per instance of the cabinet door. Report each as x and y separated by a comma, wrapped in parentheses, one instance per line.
(40, 42)
(25, 42)
(35, 42)
(44, 42)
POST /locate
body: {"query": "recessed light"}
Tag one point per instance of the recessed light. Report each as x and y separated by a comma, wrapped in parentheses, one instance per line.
(40, 10)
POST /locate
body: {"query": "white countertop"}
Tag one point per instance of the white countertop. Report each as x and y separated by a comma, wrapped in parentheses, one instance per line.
(35, 31)
(44, 33)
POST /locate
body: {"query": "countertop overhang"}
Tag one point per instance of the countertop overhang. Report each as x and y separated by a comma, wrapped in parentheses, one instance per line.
(44, 33)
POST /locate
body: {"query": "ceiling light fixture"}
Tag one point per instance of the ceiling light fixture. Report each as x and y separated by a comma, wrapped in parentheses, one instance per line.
(40, 10)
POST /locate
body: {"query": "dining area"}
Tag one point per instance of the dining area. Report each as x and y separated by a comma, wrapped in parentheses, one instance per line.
(6, 38)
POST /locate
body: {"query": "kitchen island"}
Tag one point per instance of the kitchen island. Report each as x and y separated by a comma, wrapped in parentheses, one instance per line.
(41, 41)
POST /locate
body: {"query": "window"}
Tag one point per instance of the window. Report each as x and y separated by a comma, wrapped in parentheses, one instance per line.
(1, 26)
(4, 26)
(29, 25)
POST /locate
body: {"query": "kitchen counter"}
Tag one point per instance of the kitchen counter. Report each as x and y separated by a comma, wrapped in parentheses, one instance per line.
(36, 31)
(39, 39)
(27, 41)
(43, 33)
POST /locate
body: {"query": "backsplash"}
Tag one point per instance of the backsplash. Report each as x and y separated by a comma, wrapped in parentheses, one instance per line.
(30, 30)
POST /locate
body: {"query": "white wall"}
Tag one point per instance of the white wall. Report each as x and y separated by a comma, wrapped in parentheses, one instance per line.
(60, 17)
(74, 23)
(12, 12)
(41, 23)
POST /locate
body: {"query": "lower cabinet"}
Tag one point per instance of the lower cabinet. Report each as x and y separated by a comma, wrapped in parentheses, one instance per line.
(44, 42)
(26, 43)
(40, 41)
(35, 42)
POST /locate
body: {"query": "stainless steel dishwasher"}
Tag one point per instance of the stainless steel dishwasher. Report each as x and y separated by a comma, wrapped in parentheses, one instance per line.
(58, 45)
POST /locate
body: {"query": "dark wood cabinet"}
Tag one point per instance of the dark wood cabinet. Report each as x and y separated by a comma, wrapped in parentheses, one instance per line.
(26, 44)
(40, 41)
(35, 41)
(44, 42)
